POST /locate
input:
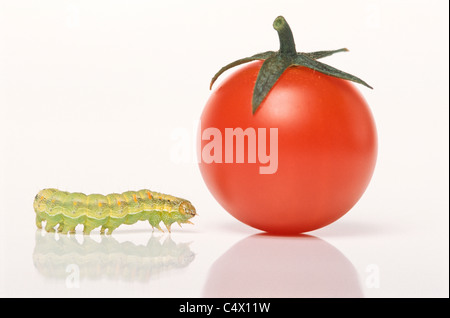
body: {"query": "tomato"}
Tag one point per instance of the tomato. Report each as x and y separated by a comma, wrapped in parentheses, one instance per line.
(326, 149)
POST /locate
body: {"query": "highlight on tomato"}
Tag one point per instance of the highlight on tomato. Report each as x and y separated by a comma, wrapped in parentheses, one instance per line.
(287, 143)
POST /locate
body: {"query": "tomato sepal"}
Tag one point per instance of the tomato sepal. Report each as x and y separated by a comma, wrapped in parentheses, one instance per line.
(275, 63)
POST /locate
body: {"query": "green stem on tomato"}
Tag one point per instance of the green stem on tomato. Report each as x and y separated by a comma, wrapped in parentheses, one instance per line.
(275, 63)
(287, 43)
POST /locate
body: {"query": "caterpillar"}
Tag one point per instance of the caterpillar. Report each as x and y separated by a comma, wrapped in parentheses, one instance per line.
(64, 210)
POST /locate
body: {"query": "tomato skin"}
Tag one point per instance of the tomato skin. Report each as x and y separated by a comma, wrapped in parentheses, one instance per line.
(327, 149)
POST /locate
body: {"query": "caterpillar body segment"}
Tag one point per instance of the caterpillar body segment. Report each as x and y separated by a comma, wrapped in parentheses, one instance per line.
(64, 210)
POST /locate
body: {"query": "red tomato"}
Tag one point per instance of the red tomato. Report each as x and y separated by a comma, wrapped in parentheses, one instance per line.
(327, 148)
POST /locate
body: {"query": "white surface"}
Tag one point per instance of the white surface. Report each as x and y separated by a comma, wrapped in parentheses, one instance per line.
(103, 96)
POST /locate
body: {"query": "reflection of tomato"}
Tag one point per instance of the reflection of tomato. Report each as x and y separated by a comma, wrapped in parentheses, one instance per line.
(327, 149)
(290, 266)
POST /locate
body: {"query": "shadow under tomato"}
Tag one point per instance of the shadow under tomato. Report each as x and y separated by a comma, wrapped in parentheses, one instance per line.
(262, 265)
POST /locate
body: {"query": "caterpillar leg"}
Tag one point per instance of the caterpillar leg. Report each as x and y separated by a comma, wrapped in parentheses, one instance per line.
(168, 225)
(38, 221)
(111, 225)
(167, 220)
(92, 223)
(67, 226)
(60, 228)
(109, 232)
(50, 225)
(68, 229)
(154, 219)
(88, 228)
(156, 226)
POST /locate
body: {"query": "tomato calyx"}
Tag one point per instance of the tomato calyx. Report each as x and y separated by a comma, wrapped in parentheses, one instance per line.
(275, 63)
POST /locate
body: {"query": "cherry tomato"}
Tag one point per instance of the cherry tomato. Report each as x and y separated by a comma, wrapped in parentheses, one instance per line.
(292, 156)
(327, 148)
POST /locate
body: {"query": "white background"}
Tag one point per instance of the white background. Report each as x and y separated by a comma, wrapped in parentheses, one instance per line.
(104, 96)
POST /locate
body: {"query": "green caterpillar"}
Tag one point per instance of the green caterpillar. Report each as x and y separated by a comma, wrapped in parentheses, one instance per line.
(67, 210)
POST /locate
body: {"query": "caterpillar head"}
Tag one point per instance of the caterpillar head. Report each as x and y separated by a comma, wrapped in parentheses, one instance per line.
(187, 210)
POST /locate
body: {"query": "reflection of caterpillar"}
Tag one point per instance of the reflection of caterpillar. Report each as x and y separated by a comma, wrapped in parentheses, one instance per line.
(108, 258)
(70, 209)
